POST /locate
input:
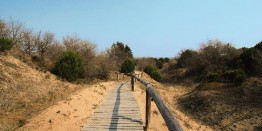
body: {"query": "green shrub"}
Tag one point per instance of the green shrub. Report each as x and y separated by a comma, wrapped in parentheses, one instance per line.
(152, 72)
(212, 77)
(156, 76)
(149, 70)
(252, 60)
(128, 66)
(159, 64)
(259, 46)
(185, 57)
(166, 60)
(69, 66)
(237, 76)
(5, 44)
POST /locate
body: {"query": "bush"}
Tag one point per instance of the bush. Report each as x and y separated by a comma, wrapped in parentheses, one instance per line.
(70, 66)
(156, 76)
(5, 44)
(185, 57)
(213, 77)
(128, 66)
(259, 46)
(237, 76)
(252, 59)
(159, 64)
(152, 72)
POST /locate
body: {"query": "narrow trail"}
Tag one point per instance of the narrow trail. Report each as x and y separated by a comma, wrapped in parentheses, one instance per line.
(118, 111)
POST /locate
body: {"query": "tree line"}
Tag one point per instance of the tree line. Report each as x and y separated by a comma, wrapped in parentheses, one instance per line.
(221, 62)
(72, 58)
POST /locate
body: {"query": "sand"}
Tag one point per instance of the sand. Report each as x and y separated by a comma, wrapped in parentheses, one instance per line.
(70, 114)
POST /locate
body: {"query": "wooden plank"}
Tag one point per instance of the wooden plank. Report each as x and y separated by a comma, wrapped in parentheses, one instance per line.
(148, 110)
(170, 120)
(118, 111)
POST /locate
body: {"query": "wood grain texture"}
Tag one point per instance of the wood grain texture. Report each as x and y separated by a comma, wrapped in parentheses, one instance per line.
(119, 111)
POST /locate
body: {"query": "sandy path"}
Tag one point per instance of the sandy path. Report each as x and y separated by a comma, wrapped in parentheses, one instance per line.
(70, 114)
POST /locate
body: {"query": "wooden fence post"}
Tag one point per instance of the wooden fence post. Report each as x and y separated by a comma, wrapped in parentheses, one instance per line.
(148, 110)
(132, 83)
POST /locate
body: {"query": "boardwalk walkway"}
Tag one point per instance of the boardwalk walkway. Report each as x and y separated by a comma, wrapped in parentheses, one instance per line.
(119, 111)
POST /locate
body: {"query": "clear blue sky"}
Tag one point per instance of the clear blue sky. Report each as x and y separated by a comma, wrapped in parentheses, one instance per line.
(150, 27)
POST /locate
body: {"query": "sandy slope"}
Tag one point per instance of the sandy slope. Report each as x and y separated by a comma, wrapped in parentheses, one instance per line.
(70, 114)
(169, 95)
(25, 91)
(56, 105)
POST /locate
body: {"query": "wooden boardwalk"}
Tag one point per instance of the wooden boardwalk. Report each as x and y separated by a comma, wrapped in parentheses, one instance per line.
(118, 112)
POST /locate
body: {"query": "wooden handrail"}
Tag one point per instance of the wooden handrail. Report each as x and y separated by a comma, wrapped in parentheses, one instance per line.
(151, 94)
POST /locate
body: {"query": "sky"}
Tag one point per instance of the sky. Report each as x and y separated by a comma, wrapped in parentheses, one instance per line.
(151, 28)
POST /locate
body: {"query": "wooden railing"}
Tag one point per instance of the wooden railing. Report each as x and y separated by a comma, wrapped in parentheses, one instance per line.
(152, 95)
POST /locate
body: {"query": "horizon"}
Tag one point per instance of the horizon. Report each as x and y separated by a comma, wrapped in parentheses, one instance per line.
(149, 28)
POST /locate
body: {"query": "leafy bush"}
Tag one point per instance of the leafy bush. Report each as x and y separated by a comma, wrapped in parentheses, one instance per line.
(185, 57)
(212, 77)
(152, 72)
(259, 46)
(159, 64)
(5, 44)
(70, 66)
(252, 59)
(128, 66)
(156, 76)
(237, 76)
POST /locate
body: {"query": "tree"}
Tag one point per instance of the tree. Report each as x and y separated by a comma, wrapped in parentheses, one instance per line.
(15, 33)
(27, 44)
(85, 48)
(185, 57)
(5, 44)
(11, 30)
(4, 29)
(128, 66)
(43, 42)
(259, 46)
(128, 51)
(159, 64)
(252, 59)
(70, 66)
(118, 53)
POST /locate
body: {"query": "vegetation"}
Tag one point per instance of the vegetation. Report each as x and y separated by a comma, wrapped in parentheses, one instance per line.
(70, 66)
(237, 76)
(252, 60)
(185, 57)
(128, 66)
(5, 44)
(216, 61)
(153, 73)
(46, 51)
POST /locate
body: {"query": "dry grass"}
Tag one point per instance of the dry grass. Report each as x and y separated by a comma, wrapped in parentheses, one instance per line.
(25, 91)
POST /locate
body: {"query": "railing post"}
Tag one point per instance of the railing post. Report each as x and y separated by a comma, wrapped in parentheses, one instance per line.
(117, 76)
(132, 83)
(148, 110)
